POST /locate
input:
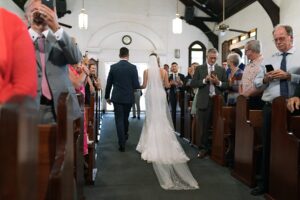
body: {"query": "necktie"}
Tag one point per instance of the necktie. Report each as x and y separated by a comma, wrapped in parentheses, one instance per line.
(211, 86)
(284, 90)
(45, 87)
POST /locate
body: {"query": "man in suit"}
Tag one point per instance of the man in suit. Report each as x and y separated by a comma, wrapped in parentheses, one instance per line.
(54, 49)
(176, 90)
(123, 76)
(210, 79)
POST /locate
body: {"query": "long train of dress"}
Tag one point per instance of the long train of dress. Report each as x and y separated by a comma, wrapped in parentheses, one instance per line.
(158, 143)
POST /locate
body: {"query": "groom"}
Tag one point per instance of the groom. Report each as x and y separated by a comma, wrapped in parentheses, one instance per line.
(123, 76)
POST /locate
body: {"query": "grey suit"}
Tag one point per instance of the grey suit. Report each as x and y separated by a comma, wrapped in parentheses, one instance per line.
(204, 104)
(58, 54)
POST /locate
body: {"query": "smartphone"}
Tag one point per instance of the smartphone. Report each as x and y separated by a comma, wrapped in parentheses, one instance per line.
(213, 73)
(269, 68)
(49, 3)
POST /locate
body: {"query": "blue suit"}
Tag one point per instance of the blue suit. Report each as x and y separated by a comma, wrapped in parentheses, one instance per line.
(123, 76)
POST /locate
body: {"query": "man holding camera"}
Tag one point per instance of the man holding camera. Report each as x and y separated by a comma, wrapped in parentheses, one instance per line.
(210, 79)
(54, 50)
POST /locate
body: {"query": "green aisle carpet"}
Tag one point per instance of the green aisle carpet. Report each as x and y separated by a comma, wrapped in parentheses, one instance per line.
(124, 176)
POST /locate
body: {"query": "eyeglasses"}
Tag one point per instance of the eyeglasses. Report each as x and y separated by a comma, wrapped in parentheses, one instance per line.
(279, 39)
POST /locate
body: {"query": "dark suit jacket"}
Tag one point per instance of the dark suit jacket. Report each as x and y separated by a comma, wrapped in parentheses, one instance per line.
(173, 88)
(123, 76)
(203, 89)
(59, 53)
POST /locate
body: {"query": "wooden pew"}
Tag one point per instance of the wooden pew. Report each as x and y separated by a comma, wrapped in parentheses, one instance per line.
(284, 177)
(78, 150)
(61, 178)
(56, 155)
(18, 149)
(247, 142)
(223, 130)
(187, 117)
(91, 157)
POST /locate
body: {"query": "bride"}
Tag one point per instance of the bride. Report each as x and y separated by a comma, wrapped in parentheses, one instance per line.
(158, 143)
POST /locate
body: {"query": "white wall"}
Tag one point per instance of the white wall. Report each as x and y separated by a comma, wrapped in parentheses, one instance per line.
(289, 14)
(149, 24)
(254, 16)
(10, 5)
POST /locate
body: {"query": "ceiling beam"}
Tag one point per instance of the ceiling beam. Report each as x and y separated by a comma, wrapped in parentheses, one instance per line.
(213, 38)
(272, 9)
(204, 9)
(206, 19)
(198, 22)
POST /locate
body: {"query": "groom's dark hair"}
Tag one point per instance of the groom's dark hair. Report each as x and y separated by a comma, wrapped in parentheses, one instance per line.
(124, 52)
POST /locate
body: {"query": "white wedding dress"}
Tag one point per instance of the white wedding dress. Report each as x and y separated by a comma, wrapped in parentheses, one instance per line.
(158, 143)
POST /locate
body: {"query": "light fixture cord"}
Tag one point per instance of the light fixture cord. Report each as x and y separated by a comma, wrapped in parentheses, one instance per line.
(177, 8)
(83, 4)
(223, 11)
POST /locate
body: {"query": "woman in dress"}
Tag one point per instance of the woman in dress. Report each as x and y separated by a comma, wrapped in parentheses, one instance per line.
(158, 143)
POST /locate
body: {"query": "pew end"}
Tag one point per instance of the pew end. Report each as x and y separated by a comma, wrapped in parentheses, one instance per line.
(18, 169)
(247, 142)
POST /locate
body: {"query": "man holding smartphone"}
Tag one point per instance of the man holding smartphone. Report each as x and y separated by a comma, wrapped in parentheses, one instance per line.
(282, 81)
(54, 50)
(210, 79)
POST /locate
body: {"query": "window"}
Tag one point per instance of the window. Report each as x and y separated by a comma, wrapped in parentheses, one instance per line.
(197, 52)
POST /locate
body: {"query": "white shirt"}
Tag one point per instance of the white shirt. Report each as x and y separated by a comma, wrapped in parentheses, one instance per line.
(34, 35)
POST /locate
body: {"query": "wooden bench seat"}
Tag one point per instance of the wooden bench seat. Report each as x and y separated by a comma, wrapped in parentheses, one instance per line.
(18, 149)
(56, 179)
(284, 177)
(223, 130)
(247, 142)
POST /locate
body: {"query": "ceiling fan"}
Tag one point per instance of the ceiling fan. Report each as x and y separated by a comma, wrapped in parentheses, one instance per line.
(222, 27)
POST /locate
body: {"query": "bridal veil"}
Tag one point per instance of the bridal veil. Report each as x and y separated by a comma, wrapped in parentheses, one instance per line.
(158, 143)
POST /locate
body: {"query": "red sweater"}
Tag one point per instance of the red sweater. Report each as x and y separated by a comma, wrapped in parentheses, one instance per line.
(18, 72)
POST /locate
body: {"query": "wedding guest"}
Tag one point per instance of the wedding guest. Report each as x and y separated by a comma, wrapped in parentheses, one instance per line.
(78, 74)
(247, 87)
(136, 107)
(176, 92)
(234, 78)
(55, 50)
(166, 67)
(240, 53)
(93, 83)
(210, 79)
(17, 58)
(281, 81)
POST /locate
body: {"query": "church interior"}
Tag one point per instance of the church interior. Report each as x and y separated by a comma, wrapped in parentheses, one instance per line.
(79, 158)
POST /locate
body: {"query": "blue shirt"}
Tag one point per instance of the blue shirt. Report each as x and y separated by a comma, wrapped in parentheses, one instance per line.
(272, 89)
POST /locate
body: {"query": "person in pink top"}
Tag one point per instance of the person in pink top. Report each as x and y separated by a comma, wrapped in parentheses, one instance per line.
(78, 75)
(17, 58)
